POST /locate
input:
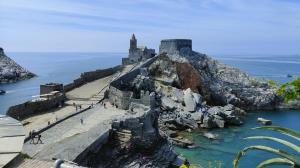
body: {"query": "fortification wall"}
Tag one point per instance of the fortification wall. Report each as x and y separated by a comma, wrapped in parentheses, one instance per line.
(30, 108)
(91, 76)
(174, 45)
(143, 132)
(119, 91)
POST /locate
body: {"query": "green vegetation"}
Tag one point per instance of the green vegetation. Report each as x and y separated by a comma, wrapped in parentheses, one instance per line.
(290, 91)
(285, 157)
(272, 83)
(24, 156)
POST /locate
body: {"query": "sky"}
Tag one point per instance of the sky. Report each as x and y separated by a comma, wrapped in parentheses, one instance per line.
(215, 26)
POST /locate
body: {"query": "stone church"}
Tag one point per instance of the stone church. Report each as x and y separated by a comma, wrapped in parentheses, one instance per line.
(137, 53)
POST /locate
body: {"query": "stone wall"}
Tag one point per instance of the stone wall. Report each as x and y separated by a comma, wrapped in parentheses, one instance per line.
(91, 76)
(123, 99)
(174, 45)
(143, 135)
(30, 108)
(50, 87)
(119, 92)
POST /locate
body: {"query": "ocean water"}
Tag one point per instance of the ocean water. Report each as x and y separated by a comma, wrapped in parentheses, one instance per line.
(52, 67)
(220, 153)
(64, 67)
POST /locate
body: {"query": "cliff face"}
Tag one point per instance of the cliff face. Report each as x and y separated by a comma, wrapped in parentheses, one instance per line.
(218, 83)
(10, 71)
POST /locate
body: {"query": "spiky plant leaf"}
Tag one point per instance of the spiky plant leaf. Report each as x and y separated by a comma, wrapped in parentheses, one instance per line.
(281, 153)
(286, 143)
(282, 130)
(275, 161)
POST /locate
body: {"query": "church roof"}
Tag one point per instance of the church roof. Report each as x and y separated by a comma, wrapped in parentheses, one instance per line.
(133, 36)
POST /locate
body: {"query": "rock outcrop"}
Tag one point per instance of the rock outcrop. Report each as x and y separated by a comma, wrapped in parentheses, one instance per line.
(10, 71)
(218, 83)
(135, 142)
(193, 90)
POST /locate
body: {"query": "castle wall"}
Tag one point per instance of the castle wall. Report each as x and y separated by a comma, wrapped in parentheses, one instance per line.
(91, 76)
(118, 92)
(30, 108)
(174, 45)
(50, 87)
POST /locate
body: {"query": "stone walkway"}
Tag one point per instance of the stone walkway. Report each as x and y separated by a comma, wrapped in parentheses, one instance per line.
(69, 138)
(85, 95)
(30, 163)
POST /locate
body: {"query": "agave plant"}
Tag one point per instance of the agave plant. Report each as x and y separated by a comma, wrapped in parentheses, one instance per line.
(285, 157)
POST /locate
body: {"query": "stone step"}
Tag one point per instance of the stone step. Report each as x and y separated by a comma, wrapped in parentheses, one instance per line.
(32, 163)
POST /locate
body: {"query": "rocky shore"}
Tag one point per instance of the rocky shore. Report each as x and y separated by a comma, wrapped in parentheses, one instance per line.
(178, 90)
(10, 71)
(193, 91)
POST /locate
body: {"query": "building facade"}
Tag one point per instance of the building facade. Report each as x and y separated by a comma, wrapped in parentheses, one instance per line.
(137, 53)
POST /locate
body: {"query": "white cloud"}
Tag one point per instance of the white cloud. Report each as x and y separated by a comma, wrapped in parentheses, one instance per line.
(92, 25)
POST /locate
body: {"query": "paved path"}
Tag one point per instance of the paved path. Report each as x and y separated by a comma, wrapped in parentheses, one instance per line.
(12, 136)
(69, 138)
(30, 163)
(85, 95)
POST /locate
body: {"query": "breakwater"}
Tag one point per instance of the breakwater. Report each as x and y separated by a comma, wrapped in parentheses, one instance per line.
(30, 108)
(91, 76)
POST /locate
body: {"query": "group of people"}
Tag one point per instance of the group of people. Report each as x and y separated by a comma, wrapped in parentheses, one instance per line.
(33, 135)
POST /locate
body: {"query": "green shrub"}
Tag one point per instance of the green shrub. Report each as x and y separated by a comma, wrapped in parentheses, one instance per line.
(290, 91)
(272, 83)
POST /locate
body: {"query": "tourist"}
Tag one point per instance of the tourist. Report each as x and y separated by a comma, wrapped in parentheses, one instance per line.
(48, 122)
(92, 105)
(76, 107)
(81, 121)
(30, 137)
(80, 107)
(39, 139)
(104, 105)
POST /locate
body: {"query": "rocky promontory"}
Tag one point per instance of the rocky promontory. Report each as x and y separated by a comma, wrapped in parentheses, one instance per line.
(193, 90)
(10, 71)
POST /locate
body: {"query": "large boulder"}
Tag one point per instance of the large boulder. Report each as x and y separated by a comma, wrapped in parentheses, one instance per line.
(191, 100)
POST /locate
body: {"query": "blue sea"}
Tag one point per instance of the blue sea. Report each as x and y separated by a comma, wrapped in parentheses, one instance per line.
(64, 67)
(52, 67)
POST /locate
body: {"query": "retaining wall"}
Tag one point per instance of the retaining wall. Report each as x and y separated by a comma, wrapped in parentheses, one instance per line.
(119, 91)
(91, 76)
(30, 108)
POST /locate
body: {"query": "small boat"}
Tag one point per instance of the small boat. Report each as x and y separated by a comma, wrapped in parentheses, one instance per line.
(264, 121)
(2, 92)
(289, 75)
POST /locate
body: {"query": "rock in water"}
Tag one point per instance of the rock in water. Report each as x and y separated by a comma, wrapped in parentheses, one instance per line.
(10, 71)
(264, 121)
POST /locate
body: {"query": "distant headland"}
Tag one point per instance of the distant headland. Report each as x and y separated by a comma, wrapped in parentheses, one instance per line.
(10, 71)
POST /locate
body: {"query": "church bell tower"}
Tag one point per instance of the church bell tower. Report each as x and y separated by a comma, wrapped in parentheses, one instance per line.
(133, 43)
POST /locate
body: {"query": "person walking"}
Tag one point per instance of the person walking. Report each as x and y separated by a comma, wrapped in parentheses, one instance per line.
(39, 139)
(81, 121)
(30, 137)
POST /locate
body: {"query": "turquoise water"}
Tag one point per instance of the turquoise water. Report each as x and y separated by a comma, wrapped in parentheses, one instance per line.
(52, 67)
(221, 153)
(64, 67)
